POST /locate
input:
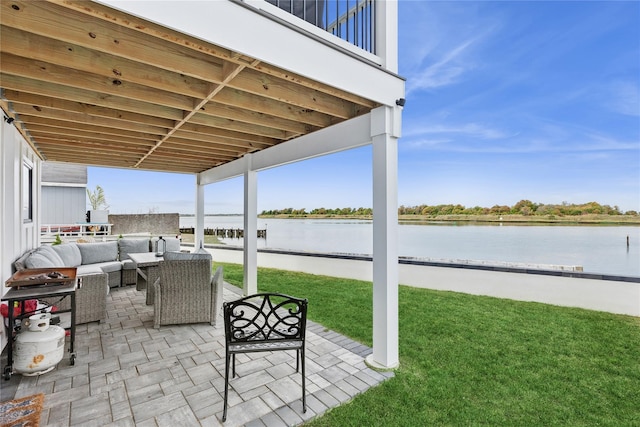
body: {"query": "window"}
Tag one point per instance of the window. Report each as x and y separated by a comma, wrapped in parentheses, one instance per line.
(27, 192)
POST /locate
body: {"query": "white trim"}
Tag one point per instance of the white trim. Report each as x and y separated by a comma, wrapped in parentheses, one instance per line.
(387, 33)
(27, 163)
(250, 258)
(343, 136)
(62, 184)
(199, 225)
(385, 243)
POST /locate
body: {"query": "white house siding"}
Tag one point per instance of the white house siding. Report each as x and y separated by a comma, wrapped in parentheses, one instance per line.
(63, 205)
(64, 193)
(16, 236)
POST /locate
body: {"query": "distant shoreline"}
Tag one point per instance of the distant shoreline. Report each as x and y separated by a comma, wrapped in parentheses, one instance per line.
(589, 219)
(594, 219)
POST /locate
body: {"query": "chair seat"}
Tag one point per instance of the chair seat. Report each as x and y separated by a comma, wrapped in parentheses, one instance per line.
(264, 346)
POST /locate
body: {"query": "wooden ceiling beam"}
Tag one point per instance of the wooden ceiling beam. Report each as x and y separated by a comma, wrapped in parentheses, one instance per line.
(26, 111)
(92, 161)
(44, 88)
(157, 161)
(7, 109)
(68, 55)
(55, 151)
(158, 31)
(231, 112)
(218, 147)
(75, 79)
(63, 76)
(27, 103)
(232, 125)
(210, 121)
(238, 139)
(240, 99)
(297, 79)
(61, 22)
(281, 90)
(171, 153)
(131, 149)
(42, 132)
(128, 44)
(38, 130)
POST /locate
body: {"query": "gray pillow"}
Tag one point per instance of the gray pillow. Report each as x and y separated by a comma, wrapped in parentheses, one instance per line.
(171, 256)
(69, 253)
(172, 244)
(132, 246)
(21, 263)
(98, 252)
(51, 255)
(38, 260)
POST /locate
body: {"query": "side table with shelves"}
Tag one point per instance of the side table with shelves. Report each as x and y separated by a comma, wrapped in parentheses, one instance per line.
(23, 293)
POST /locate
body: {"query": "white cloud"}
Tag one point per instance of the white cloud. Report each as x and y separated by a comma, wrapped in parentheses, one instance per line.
(624, 98)
(448, 70)
(425, 143)
(444, 48)
(597, 141)
(476, 130)
(542, 136)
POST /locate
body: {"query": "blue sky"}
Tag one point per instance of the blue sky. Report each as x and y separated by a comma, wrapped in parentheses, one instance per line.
(506, 100)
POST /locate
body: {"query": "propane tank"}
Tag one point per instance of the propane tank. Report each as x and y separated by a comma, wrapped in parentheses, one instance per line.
(39, 347)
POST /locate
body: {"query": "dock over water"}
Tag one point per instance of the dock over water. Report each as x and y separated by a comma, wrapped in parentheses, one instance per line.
(230, 233)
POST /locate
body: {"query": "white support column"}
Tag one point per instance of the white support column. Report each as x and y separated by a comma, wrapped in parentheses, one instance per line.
(385, 247)
(250, 284)
(199, 228)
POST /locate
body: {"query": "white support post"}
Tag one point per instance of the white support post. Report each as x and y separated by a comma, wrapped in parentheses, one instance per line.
(250, 284)
(385, 248)
(199, 229)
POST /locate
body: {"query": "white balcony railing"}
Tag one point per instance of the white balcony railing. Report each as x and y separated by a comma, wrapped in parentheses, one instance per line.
(350, 20)
(77, 229)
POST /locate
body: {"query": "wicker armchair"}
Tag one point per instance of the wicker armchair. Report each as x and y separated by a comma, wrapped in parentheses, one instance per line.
(186, 292)
(91, 299)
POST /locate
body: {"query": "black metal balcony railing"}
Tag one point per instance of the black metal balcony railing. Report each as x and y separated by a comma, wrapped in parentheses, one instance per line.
(350, 20)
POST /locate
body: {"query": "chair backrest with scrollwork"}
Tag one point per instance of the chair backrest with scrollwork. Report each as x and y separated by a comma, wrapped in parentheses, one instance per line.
(265, 319)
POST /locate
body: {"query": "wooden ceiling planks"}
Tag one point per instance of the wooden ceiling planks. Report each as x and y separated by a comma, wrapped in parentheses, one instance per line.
(86, 84)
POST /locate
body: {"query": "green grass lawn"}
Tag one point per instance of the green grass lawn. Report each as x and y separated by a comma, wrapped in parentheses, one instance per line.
(469, 360)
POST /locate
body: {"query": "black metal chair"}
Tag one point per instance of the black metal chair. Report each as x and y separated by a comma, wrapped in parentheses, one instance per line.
(264, 322)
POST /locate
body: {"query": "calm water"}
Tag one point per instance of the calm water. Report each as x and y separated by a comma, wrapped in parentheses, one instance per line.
(598, 249)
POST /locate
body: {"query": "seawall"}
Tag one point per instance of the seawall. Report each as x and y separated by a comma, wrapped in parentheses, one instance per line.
(614, 294)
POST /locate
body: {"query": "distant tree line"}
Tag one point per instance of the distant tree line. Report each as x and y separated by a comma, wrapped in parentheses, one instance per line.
(523, 207)
(320, 211)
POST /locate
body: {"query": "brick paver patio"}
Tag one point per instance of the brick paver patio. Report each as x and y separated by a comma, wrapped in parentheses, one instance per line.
(129, 374)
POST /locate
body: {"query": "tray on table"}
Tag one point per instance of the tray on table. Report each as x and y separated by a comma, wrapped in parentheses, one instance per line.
(41, 277)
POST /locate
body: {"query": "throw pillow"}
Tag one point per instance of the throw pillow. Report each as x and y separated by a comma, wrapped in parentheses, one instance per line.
(69, 253)
(132, 246)
(51, 254)
(93, 253)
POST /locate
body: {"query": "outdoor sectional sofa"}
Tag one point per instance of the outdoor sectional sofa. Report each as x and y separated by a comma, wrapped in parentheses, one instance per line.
(100, 266)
